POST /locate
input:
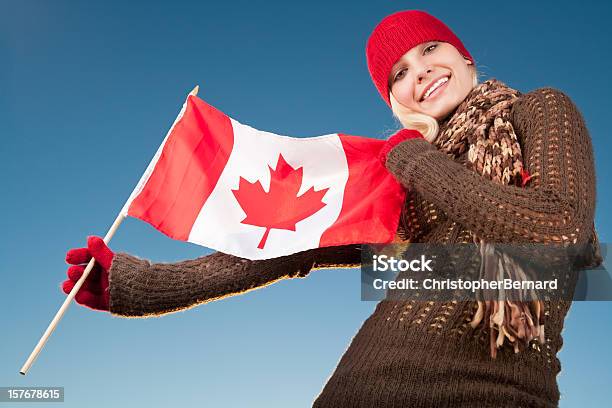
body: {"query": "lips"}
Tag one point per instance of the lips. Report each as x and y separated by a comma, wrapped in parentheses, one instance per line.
(432, 83)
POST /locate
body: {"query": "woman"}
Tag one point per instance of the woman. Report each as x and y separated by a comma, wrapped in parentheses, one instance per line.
(482, 163)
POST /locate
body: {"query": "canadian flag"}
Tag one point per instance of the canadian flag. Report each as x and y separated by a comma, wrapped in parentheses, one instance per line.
(258, 195)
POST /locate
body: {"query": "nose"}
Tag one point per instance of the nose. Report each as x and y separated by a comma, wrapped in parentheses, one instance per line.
(424, 73)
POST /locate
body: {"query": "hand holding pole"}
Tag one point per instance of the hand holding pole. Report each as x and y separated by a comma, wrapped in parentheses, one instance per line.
(60, 313)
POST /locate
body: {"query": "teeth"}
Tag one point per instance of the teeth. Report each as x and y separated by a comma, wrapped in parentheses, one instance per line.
(434, 86)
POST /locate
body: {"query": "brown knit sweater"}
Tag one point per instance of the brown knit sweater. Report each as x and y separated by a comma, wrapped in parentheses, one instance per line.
(423, 354)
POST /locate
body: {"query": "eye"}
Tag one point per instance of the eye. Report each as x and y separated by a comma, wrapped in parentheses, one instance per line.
(430, 48)
(399, 74)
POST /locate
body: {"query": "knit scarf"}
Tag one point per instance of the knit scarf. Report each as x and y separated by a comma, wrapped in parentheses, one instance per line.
(481, 126)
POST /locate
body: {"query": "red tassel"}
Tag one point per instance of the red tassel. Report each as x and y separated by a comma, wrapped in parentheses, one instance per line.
(525, 176)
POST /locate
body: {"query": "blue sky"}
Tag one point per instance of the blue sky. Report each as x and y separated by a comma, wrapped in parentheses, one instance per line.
(87, 92)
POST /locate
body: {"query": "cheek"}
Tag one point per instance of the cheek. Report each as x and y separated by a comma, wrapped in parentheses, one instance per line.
(404, 93)
(465, 81)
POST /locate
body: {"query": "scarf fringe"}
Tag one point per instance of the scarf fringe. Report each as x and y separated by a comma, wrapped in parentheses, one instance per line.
(481, 125)
(518, 321)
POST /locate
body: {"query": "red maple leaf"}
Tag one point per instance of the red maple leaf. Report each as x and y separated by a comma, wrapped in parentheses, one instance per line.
(280, 207)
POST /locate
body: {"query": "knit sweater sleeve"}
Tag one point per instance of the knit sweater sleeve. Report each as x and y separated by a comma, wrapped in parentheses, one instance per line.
(139, 288)
(556, 206)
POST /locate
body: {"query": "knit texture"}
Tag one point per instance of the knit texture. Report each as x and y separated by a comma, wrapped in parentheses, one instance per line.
(481, 126)
(397, 34)
(139, 288)
(558, 206)
(423, 354)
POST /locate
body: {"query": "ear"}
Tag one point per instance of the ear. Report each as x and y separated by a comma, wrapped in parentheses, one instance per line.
(467, 61)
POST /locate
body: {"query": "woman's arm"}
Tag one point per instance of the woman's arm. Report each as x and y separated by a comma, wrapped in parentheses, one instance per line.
(558, 204)
(139, 288)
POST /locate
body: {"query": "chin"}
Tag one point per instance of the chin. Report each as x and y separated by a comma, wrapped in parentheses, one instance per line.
(440, 113)
(443, 110)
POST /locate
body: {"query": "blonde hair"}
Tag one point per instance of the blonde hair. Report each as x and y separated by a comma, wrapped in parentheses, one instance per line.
(427, 125)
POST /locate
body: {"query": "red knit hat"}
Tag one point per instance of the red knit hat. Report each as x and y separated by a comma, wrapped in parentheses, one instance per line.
(395, 35)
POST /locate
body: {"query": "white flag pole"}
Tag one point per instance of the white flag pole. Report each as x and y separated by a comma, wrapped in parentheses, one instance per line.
(77, 286)
(73, 292)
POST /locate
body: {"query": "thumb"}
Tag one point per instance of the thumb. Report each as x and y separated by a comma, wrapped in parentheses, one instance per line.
(99, 250)
(397, 138)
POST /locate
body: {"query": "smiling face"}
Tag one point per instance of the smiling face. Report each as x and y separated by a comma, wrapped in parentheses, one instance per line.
(432, 78)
